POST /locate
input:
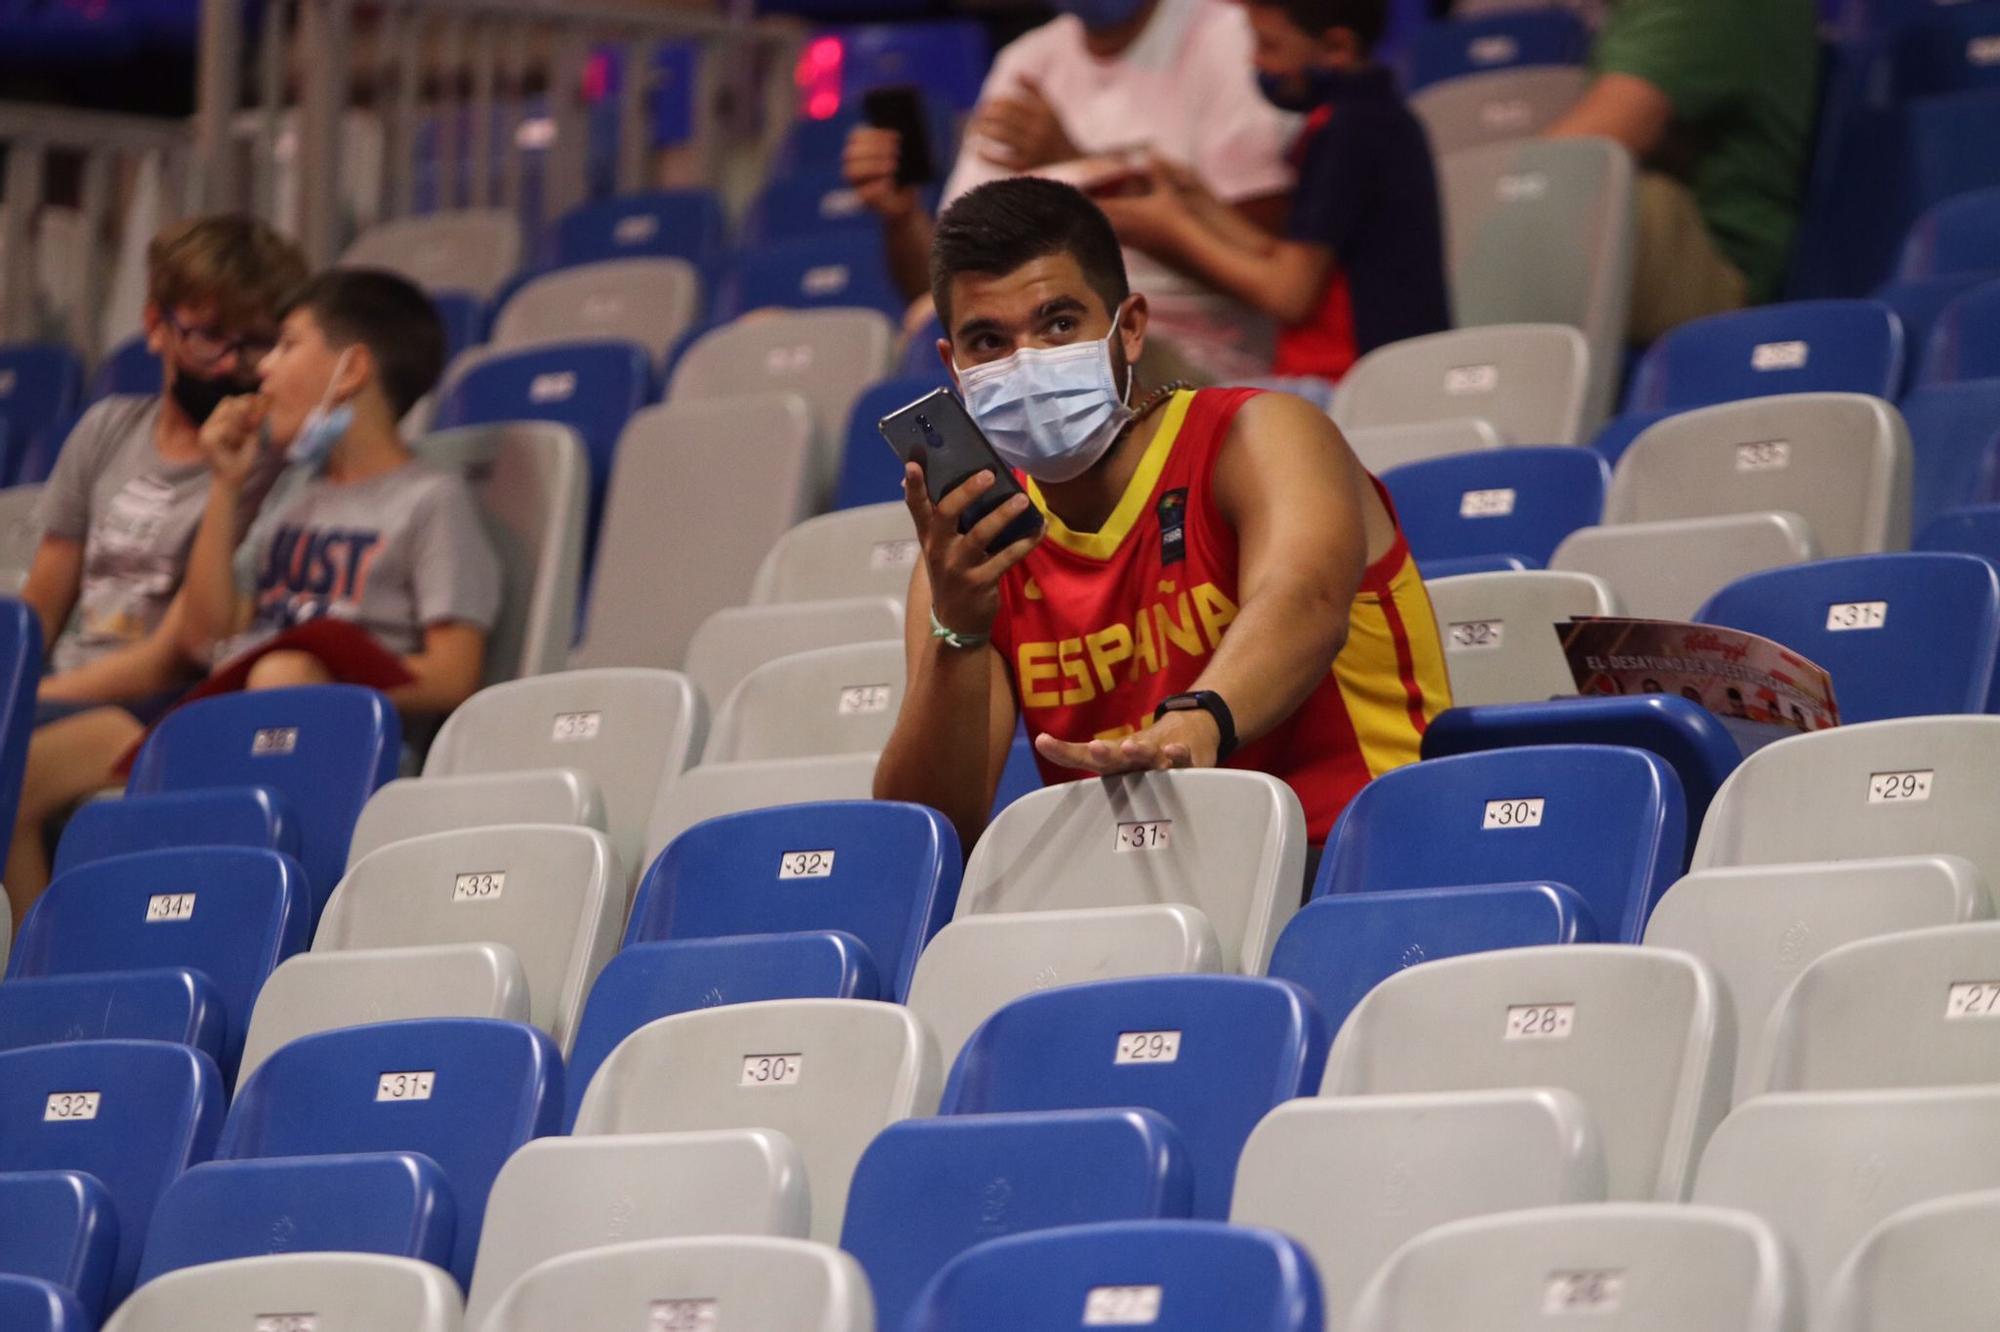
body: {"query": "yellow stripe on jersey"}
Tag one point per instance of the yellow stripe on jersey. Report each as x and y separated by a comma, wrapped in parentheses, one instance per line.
(1103, 543)
(1389, 648)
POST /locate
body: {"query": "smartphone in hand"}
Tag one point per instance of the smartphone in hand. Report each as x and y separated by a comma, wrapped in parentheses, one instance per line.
(901, 109)
(940, 436)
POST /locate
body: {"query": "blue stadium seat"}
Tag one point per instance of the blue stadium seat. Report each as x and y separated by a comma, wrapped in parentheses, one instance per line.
(841, 268)
(396, 1203)
(132, 1114)
(1920, 303)
(946, 58)
(1617, 434)
(794, 206)
(464, 318)
(1972, 530)
(1211, 1053)
(646, 981)
(130, 367)
(925, 1192)
(920, 358)
(255, 816)
(813, 146)
(1902, 635)
(1960, 235)
(678, 224)
(1685, 734)
(1498, 502)
(1498, 41)
(40, 388)
(870, 471)
(1606, 821)
(1965, 341)
(325, 748)
(160, 1004)
(1472, 564)
(1800, 347)
(20, 676)
(1340, 948)
(229, 913)
(1020, 776)
(1172, 1276)
(463, 1091)
(29, 1305)
(1954, 446)
(59, 1226)
(1945, 51)
(883, 871)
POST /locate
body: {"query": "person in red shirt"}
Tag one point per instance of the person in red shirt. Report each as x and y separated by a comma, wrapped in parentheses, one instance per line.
(1218, 582)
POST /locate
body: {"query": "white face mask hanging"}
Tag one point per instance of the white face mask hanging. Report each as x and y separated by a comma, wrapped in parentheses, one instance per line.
(1051, 411)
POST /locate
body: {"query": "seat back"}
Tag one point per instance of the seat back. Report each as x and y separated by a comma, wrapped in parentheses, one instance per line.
(1961, 346)
(39, 386)
(828, 1073)
(843, 268)
(1520, 501)
(553, 895)
(465, 1092)
(1909, 634)
(174, 1004)
(1974, 530)
(1605, 820)
(1211, 1053)
(472, 249)
(231, 913)
(867, 551)
(632, 730)
(417, 806)
(1841, 461)
(131, 1114)
(682, 224)
(833, 700)
(59, 1226)
(1499, 636)
(925, 1191)
(1925, 1263)
(33, 1305)
(20, 676)
(870, 471)
(1224, 840)
(714, 789)
(1669, 570)
(324, 748)
(252, 816)
(1956, 236)
(1629, 1266)
(344, 1289)
(1955, 443)
(130, 367)
(1475, 110)
(1530, 382)
(1469, 46)
(885, 872)
(733, 642)
(1640, 1035)
(650, 301)
(1797, 347)
(1352, 1177)
(559, 1196)
(1383, 447)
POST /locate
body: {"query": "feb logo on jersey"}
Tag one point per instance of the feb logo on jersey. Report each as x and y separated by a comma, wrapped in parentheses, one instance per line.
(1172, 513)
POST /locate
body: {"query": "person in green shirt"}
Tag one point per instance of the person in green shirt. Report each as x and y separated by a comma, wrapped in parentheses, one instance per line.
(1715, 99)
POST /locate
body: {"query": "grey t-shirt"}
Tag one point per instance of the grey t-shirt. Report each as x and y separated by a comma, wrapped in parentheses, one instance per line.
(393, 553)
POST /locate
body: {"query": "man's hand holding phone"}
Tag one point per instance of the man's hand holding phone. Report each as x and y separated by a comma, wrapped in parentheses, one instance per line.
(868, 163)
(964, 576)
(232, 438)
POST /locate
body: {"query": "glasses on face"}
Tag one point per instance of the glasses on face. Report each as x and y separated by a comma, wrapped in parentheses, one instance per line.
(206, 346)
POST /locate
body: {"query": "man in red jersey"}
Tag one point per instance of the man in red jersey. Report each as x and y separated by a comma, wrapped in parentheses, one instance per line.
(1218, 581)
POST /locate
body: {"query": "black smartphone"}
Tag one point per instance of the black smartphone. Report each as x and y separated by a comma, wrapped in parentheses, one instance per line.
(901, 108)
(939, 435)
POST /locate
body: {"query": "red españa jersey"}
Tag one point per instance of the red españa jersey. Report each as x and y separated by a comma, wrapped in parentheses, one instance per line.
(1097, 627)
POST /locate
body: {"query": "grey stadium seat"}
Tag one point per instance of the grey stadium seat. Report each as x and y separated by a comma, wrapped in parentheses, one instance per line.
(1475, 110)
(415, 806)
(1927, 1266)
(1498, 630)
(833, 700)
(1669, 570)
(1916, 1009)
(731, 643)
(652, 302)
(631, 730)
(1227, 841)
(1841, 461)
(1614, 1267)
(1527, 381)
(563, 1195)
(337, 1291)
(533, 484)
(21, 536)
(1353, 1177)
(724, 788)
(691, 512)
(1829, 796)
(825, 356)
(312, 992)
(473, 250)
(553, 894)
(783, 1285)
(1382, 447)
(1541, 232)
(829, 1073)
(1642, 1036)
(1759, 926)
(1825, 1167)
(976, 964)
(863, 552)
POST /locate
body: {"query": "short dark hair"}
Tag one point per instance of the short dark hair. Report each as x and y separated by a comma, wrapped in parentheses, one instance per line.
(388, 315)
(1004, 224)
(1366, 19)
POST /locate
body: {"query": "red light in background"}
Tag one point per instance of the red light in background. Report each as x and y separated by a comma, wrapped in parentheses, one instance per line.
(597, 77)
(818, 77)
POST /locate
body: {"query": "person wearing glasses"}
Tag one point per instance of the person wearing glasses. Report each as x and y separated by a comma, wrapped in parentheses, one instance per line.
(120, 510)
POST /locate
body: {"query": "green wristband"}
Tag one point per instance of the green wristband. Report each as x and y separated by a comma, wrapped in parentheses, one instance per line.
(953, 639)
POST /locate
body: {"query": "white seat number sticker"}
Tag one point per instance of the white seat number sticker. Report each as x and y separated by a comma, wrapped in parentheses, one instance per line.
(1462, 380)
(576, 726)
(1540, 1022)
(805, 865)
(1476, 635)
(772, 1070)
(1513, 813)
(1766, 356)
(1148, 1047)
(1583, 1292)
(1845, 615)
(478, 886)
(1764, 455)
(684, 1316)
(169, 906)
(893, 554)
(66, 1106)
(410, 1085)
(274, 740)
(1486, 504)
(1121, 1306)
(1900, 788)
(855, 699)
(1972, 999)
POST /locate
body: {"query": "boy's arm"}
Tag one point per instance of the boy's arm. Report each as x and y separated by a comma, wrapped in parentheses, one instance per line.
(215, 608)
(448, 670)
(53, 580)
(135, 671)
(1285, 279)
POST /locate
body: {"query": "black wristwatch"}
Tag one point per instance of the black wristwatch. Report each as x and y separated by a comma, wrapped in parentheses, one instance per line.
(1205, 700)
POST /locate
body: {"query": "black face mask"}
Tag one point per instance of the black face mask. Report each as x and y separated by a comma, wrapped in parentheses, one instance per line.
(200, 395)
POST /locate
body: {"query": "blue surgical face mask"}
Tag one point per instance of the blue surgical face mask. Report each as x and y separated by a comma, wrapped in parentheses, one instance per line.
(323, 427)
(1050, 411)
(1307, 90)
(1098, 15)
